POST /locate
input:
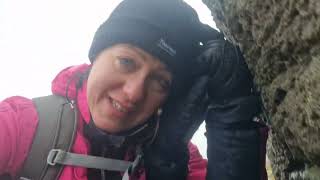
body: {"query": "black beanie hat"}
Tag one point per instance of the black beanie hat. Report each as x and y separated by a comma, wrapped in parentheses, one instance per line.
(167, 29)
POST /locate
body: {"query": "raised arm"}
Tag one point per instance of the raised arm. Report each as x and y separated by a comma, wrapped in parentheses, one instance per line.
(236, 146)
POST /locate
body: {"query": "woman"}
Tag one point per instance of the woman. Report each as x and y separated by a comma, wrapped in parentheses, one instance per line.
(140, 59)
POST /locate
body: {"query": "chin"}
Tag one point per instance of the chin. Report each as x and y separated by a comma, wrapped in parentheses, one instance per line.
(112, 128)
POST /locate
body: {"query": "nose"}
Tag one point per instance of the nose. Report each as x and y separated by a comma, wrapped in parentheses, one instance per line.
(134, 89)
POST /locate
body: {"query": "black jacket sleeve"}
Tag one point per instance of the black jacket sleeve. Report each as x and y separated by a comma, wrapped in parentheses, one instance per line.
(236, 148)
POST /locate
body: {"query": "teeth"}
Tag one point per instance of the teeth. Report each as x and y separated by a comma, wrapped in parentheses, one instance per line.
(117, 106)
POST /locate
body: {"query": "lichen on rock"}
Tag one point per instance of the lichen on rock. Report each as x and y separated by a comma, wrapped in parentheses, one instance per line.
(281, 43)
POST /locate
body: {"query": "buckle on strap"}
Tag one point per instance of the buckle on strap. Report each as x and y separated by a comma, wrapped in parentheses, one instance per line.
(24, 178)
(133, 167)
(58, 156)
(53, 154)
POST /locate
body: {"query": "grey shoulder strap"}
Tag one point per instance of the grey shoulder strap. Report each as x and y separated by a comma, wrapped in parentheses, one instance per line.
(56, 130)
(53, 140)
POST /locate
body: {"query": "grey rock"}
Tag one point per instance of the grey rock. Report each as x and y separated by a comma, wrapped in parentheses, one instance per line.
(281, 43)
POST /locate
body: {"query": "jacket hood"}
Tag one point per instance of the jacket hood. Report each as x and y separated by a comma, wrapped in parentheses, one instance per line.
(65, 84)
(67, 79)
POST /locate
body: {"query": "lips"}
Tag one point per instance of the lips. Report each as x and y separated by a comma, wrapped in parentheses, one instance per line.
(121, 106)
(118, 106)
(115, 109)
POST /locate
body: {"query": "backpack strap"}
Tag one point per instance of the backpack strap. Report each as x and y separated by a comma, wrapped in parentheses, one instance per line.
(58, 156)
(56, 130)
(50, 149)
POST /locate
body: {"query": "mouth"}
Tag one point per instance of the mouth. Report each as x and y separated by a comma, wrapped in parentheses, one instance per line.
(118, 106)
(118, 109)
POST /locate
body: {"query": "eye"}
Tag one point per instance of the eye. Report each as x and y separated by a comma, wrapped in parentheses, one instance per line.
(160, 84)
(126, 64)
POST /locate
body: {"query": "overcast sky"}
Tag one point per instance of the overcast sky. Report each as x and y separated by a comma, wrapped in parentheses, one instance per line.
(38, 38)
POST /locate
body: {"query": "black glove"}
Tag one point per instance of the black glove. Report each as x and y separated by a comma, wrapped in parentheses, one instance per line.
(232, 135)
(229, 74)
(167, 158)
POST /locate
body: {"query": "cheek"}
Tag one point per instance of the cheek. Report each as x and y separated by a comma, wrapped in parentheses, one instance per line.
(100, 78)
(97, 84)
(154, 102)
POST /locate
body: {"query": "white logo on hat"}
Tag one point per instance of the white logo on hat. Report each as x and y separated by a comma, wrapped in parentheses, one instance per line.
(166, 47)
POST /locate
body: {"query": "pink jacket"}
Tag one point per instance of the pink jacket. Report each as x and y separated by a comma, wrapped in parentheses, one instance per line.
(19, 119)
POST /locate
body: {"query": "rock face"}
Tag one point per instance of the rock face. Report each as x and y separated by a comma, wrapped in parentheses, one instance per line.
(281, 43)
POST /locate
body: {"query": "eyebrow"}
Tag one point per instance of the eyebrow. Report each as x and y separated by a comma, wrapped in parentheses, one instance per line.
(137, 51)
(129, 49)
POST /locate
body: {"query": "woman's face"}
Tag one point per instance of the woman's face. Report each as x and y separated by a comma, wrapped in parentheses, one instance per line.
(125, 87)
